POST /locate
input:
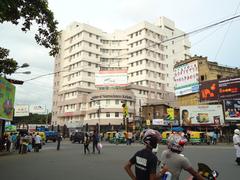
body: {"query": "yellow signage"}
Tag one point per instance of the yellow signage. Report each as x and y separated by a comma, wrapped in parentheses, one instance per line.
(170, 112)
(125, 110)
(148, 122)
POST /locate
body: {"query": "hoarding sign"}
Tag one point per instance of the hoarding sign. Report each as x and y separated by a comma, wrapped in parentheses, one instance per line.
(209, 90)
(186, 78)
(202, 114)
(21, 110)
(229, 88)
(37, 109)
(111, 78)
(7, 96)
(232, 110)
(170, 114)
(158, 122)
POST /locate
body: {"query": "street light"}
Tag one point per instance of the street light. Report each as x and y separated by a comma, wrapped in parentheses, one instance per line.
(24, 65)
(25, 72)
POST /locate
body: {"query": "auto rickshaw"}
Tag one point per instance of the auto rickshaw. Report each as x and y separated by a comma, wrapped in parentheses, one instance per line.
(109, 135)
(197, 137)
(42, 134)
(165, 136)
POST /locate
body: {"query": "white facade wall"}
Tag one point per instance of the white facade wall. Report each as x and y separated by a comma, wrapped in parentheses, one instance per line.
(86, 49)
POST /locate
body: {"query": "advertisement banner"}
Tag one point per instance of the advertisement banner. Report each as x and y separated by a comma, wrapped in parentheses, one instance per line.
(170, 114)
(7, 94)
(186, 78)
(111, 78)
(201, 115)
(232, 110)
(229, 88)
(21, 110)
(209, 90)
(37, 109)
(223, 89)
(158, 122)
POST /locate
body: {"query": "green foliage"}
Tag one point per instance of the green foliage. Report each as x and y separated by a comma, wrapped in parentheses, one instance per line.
(7, 65)
(33, 119)
(30, 11)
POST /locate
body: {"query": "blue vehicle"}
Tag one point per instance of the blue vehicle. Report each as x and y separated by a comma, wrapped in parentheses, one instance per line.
(50, 135)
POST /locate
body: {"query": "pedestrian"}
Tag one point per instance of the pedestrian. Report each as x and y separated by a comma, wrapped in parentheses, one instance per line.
(129, 138)
(145, 160)
(59, 138)
(236, 141)
(38, 141)
(95, 139)
(117, 136)
(86, 143)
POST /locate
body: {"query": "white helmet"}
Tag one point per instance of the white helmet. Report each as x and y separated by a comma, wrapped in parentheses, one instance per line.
(236, 131)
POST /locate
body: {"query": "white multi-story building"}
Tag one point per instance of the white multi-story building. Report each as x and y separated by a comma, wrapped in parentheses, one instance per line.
(144, 50)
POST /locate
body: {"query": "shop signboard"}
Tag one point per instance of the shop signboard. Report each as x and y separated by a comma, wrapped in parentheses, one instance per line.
(10, 128)
(186, 78)
(21, 110)
(37, 109)
(201, 115)
(232, 110)
(7, 94)
(158, 122)
(111, 78)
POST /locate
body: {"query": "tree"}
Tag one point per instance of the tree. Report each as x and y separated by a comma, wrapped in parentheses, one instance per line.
(7, 65)
(30, 11)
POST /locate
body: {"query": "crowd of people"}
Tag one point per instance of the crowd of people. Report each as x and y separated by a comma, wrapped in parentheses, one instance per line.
(21, 142)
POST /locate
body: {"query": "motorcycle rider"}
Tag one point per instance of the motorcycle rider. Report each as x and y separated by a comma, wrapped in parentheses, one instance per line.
(236, 141)
(145, 160)
(174, 161)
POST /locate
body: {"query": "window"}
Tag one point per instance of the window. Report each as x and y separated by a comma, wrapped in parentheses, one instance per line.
(107, 101)
(117, 101)
(89, 73)
(202, 78)
(89, 64)
(89, 84)
(116, 114)
(107, 114)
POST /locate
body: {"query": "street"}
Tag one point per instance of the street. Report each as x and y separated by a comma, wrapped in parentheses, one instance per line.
(70, 163)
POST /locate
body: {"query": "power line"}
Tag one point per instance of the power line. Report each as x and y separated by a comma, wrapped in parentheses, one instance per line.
(225, 35)
(157, 43)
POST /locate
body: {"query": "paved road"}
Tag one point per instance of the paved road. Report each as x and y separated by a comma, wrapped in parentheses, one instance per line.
(71, 164)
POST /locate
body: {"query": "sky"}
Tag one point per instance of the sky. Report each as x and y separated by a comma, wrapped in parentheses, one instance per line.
(220, 44)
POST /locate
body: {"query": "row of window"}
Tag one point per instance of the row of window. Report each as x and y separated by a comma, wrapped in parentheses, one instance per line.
(82, 64)
(81, 34)
(149, 33)
(149, 63)
(80, 83)
(82, 43)
(112, 42)
(81, 53)
(107, 114)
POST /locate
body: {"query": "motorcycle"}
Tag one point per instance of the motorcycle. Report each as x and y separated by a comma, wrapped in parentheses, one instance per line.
(203, 170)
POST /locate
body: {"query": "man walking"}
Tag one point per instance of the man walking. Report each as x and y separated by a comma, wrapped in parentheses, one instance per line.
(95, 139)
(236, 142)
(59, 138)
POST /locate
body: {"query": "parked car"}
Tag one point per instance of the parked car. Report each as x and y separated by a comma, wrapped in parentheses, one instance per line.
(77, 137)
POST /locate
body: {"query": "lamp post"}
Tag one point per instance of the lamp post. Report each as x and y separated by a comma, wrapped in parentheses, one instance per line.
(98, 112)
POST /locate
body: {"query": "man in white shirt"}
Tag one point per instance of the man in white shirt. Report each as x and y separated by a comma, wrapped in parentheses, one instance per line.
(38, 140)
(236, 142)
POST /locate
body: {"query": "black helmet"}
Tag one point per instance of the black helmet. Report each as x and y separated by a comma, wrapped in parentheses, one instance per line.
(152, 138)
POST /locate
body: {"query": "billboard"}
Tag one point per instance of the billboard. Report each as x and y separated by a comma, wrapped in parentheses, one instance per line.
(227, 88)
(186, 78)
(201, 115)
(209, 90)
(37, 109)
(111, 78)
(21, 110)
(7, 96)
(232, 110)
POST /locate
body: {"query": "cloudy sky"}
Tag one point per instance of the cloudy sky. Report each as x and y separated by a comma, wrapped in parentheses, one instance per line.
(219, 44)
